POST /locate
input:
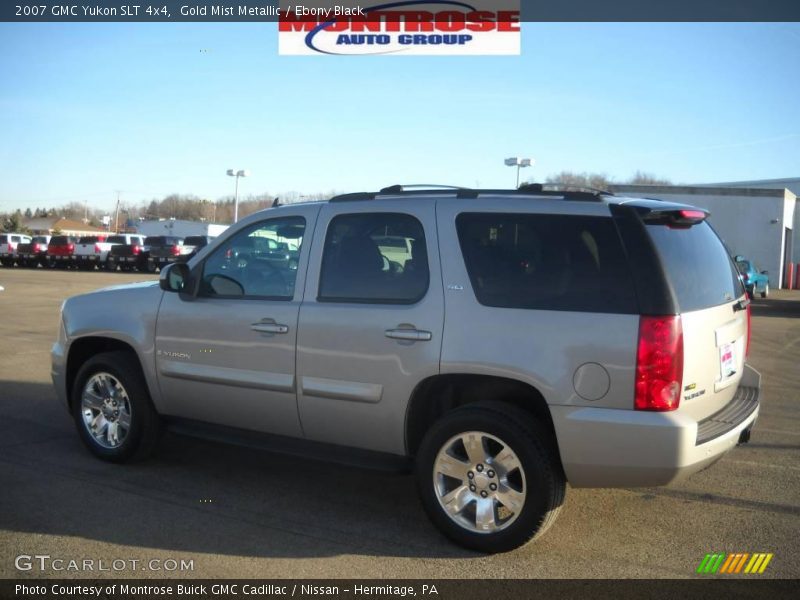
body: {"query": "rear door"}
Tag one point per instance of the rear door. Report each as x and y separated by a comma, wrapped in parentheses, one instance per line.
(708, 292)
(370, 324)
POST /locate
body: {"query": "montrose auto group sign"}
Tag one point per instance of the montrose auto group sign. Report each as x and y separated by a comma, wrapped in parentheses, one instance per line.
(403, 27)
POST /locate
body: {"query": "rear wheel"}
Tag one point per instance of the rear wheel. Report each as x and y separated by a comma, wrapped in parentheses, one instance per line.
(765, 293)
(489, 477)
(112, 409)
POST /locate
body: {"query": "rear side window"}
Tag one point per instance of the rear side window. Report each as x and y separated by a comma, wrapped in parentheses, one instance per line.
(546, 262)
(357, 266)
(3, 239)
(697, 264)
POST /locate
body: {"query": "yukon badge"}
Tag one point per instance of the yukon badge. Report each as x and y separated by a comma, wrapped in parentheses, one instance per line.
(168, 354)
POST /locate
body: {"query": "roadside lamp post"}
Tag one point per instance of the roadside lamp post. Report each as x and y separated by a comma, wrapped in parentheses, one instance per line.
(519, 163)
(237, 174)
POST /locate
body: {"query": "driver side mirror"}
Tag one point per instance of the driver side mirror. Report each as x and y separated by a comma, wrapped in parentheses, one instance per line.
(175, 277)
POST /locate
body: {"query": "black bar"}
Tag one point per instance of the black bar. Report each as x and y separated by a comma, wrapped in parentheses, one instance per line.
(531, 10)
(751, 587)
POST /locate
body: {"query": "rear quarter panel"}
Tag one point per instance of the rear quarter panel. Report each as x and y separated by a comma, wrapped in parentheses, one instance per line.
(543, 348)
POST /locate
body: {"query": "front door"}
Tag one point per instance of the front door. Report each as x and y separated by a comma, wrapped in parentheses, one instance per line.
(227, 356)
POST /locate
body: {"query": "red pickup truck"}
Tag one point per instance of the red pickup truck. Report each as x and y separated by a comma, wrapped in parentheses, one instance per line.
(60, 250)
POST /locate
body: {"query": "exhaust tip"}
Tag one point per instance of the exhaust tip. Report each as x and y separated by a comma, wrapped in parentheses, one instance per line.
(744, 437)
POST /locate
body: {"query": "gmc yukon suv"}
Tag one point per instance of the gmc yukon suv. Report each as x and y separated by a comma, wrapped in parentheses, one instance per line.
(515, 341)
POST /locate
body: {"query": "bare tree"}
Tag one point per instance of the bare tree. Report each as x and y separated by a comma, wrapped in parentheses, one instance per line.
(643, 178)
(590, 180)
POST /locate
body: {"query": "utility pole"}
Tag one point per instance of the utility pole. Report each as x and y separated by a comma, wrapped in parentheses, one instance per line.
(116, 215)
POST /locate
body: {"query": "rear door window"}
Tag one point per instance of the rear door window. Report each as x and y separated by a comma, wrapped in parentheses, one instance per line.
(358, 266)
(698, 265)
(546, 262)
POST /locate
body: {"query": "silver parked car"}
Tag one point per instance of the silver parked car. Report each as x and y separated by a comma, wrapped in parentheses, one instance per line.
(514, 341)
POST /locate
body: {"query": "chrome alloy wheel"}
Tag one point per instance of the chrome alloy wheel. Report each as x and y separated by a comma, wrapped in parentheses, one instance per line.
(106, 410)
(479, 482)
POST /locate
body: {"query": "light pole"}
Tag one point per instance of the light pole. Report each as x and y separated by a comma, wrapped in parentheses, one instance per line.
(237, 174)
(519, 163)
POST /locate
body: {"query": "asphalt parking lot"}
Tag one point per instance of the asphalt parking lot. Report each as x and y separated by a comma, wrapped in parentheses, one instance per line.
(242, 513)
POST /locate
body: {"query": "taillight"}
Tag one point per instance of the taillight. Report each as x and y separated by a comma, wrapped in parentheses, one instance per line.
(97, 248)
(659, 363)
(176, 250)
(745, 277)
(36, 248)
(136, 249)
(70, 248)
(747, 343)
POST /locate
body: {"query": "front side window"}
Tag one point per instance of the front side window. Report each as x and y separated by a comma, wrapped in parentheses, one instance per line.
(546, 262)
(374, 258)
(251, 264)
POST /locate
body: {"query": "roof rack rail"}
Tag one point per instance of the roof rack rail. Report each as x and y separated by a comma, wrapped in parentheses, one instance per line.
(528, 189)
(399, 189)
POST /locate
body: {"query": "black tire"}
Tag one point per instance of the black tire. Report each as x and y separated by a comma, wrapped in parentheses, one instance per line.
(545, 484)
(145, 425)
(765, 293)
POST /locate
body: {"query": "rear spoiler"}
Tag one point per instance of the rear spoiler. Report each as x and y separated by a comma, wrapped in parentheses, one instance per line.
(676, 217)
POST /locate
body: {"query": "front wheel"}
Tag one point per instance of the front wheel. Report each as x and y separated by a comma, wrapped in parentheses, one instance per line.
(112, 409)
(765, 293)
(489, 477)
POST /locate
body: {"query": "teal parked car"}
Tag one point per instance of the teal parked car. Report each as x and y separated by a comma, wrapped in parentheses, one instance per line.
(755, 281)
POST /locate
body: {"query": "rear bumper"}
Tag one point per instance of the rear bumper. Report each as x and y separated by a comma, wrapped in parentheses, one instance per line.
(626, 448)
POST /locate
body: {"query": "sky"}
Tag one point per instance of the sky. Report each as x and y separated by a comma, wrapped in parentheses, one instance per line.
(154, 109)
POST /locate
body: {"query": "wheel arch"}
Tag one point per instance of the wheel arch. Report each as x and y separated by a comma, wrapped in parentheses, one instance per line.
(439, 394)
(84, 348)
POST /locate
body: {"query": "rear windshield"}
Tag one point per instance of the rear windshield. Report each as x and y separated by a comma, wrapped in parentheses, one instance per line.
(698, 265)
(195, 240)
(161, 240)
(40, 239)
(547, 262)
(91, 239)
(117, 239)
(60, 240)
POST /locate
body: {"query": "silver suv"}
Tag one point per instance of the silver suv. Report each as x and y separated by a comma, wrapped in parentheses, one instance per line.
(501, 342)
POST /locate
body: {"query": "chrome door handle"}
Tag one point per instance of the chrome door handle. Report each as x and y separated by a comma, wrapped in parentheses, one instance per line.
(269, 327)
(412, 335)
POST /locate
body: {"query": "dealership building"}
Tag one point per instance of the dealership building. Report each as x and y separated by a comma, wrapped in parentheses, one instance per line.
(756, 219)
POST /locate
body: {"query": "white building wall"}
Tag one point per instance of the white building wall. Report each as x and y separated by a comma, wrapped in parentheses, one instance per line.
(790, 183)
(179, 228)
(750, 221)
